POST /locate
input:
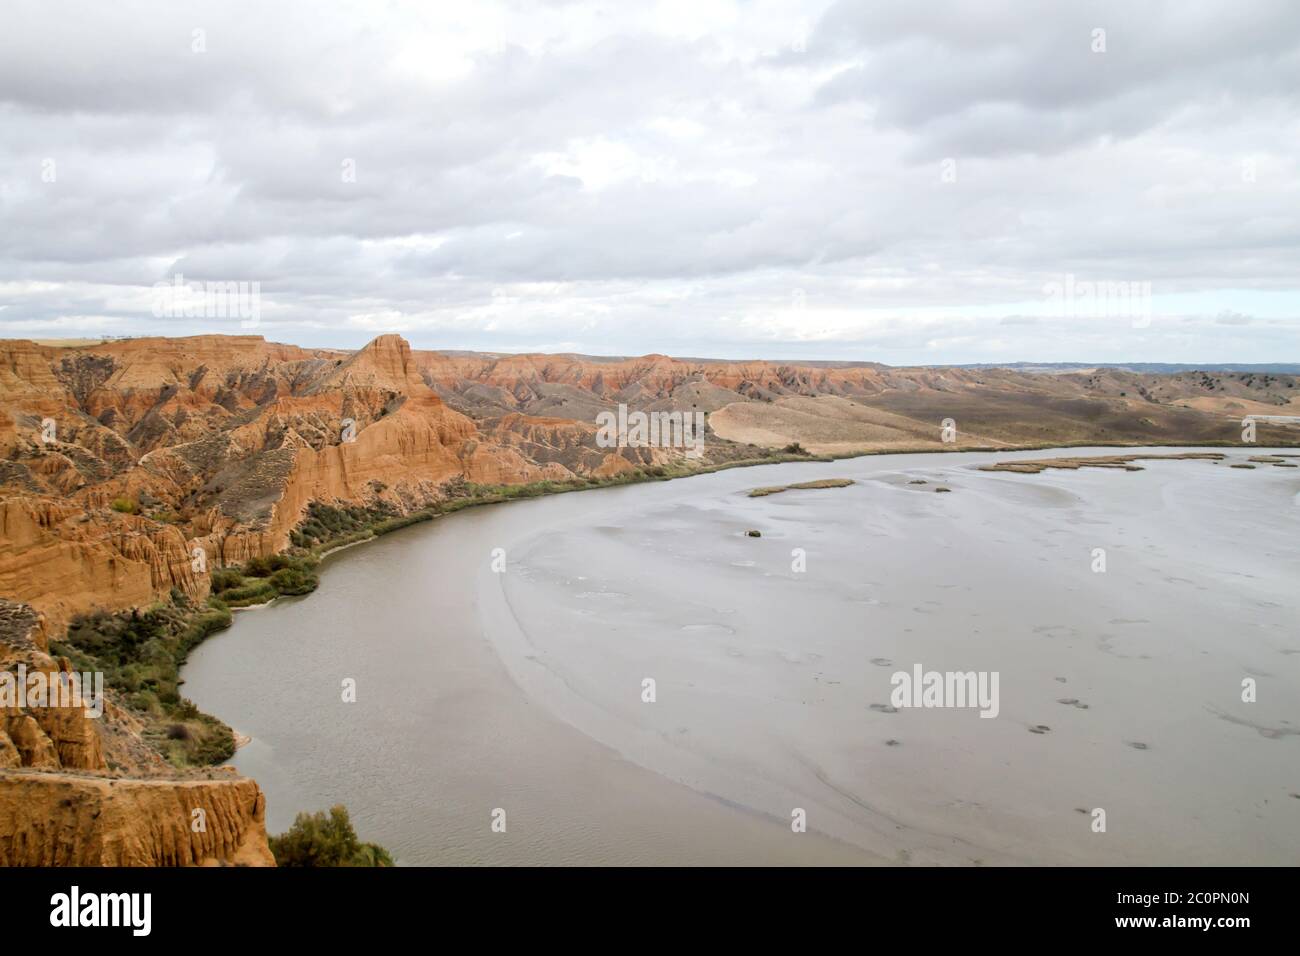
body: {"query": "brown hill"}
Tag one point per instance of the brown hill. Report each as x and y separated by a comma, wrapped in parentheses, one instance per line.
(117, 460)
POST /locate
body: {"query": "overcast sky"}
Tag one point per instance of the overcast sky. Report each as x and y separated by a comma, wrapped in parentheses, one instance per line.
(902, 182)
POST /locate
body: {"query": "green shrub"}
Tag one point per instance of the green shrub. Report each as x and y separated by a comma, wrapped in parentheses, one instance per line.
(320, 839)
(264, 579)
(126, 506)
(140, 653)
(257, 591)
(326, 526)
(223, 579)
(294, 581)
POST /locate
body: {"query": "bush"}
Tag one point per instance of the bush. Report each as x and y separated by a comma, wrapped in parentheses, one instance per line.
(264, 579)
(265, 567)
(223, 579)
(794, 448)
(140, 653)
(326, 526)
(257, 591)
(293, 581)
(320, 839)
(126, 506)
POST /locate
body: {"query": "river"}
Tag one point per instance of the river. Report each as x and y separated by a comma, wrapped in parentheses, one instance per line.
(501, 659)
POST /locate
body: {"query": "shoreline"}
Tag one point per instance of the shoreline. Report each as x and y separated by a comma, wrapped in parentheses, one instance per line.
(461, 504)
(373, 535)
(424, 516)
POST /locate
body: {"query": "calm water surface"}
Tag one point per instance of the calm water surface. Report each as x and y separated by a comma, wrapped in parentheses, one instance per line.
(523, 691)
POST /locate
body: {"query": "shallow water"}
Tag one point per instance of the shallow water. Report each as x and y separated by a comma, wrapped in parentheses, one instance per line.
(479, 690)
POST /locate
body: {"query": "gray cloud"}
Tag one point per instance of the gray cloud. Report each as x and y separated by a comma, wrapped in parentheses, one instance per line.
(664, 178)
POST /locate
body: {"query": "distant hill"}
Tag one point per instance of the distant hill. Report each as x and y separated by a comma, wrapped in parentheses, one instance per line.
(1151, 368)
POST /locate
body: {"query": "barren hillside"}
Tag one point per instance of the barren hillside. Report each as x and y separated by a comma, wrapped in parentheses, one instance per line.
(117, 460)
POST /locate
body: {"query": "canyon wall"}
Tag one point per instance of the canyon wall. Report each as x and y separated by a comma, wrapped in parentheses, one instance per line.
(60, 819)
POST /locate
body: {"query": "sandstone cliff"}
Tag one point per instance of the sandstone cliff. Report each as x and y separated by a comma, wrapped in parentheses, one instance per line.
(62, 819)
(123, 462)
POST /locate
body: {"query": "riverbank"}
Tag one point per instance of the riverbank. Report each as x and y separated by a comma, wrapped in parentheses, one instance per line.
(374, 524)
(456, 737)
(242, 588)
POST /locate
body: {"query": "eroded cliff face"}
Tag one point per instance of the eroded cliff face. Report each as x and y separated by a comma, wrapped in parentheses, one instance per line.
(132, 469)
(56, 733)
(65, 559)
(64, 819)
(136, 468)
(119, 461)
(82, 790)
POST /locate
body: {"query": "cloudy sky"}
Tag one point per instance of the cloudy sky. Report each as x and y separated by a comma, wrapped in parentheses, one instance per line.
(904, 182)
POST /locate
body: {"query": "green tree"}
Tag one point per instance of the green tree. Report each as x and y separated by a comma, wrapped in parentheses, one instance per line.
(294, 581)
(326, 839)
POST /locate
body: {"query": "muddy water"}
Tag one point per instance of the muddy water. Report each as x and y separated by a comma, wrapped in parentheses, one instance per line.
(1119, 690)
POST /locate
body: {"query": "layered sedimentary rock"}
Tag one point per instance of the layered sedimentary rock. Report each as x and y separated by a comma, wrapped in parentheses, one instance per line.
(64, 819)
(49, 731)
(65, 559)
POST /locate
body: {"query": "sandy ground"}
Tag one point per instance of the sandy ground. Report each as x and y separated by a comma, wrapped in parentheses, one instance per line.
(828, 424)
